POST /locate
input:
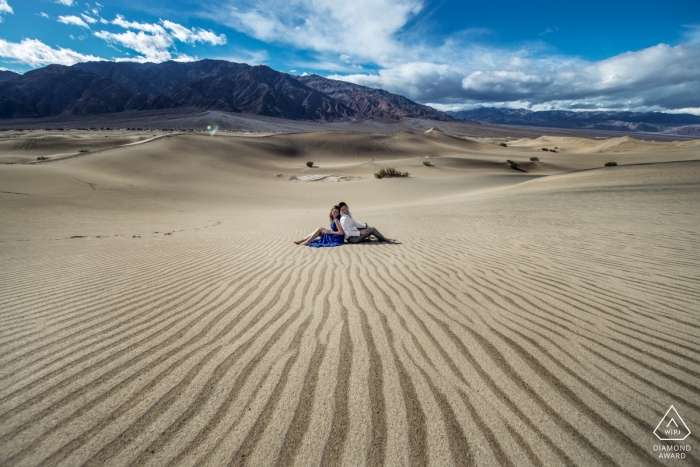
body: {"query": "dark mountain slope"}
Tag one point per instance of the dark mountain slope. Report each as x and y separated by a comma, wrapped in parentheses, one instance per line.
(56, 90)
(152, 78)
(262, 91)
(372, 103)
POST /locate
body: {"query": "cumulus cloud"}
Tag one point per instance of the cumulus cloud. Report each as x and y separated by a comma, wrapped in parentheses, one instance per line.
(43, 15)
(659, 77)
(35, 53)
(656, 78)
(65, 2)
(74, 20)
(88, 19)
(154, 41)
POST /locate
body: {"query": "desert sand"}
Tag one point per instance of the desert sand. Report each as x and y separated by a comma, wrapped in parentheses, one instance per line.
(154, 310)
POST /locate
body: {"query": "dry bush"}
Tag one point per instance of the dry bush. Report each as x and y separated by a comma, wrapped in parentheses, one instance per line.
(390, 172)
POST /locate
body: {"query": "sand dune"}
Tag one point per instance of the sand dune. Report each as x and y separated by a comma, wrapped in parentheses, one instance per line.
(623, 144)
(154, 310)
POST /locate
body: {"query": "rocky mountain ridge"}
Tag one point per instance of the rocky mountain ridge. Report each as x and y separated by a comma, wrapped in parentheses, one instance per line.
(107, 87)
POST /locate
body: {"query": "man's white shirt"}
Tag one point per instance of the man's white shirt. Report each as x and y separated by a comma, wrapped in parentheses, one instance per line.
(350, 226)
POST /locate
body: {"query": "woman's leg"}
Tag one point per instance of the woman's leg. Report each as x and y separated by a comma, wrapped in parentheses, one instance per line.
(311, 236)
(316, 234)
(303, 239)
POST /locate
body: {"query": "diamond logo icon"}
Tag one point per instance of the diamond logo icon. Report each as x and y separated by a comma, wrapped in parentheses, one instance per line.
(672, 427)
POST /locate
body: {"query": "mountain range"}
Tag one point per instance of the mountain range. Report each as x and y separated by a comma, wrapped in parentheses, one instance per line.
(652, 122)
(106, 87)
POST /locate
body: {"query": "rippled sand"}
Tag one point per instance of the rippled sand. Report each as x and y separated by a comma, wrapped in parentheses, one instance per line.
(154, 310)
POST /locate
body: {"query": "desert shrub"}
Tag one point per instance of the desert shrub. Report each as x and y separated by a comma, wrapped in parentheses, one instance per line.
(41, 158)
(535, 159)
(610, 164)
(504, 145)
(545, 149)
(84, 150)
(309, 164)
(390, 172)
(552, 150)
(428, 164)
(514, 165)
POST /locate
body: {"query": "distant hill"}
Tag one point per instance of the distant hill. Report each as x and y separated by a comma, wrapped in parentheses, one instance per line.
(593, 120)
(107, 87)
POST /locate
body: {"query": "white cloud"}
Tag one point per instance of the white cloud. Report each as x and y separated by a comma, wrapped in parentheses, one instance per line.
(65, 2)
(43, 15)
(659, 77)
(35, 53)
(5, 7)
(153, 47)
(151, 28)
(88, 19)
(74, 20)
(193, 35)
(155, 41)
(362, 28)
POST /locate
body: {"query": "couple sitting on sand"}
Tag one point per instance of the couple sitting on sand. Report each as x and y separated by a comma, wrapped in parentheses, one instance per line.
(343, 227)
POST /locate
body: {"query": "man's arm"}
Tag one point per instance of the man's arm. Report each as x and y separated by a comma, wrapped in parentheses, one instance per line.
(358, 225)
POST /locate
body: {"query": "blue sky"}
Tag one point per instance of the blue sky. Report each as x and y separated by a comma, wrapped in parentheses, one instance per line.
(539, 54)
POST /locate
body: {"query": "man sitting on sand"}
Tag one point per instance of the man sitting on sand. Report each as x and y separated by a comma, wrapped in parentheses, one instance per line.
(356, 232)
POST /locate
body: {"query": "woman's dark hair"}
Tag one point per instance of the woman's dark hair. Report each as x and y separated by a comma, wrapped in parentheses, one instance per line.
(331, 213)
(341, 204)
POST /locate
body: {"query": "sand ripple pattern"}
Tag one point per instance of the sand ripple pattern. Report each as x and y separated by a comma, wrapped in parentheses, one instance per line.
(557, 334)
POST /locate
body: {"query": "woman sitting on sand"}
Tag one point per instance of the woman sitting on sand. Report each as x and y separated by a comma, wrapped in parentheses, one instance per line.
(326, 237)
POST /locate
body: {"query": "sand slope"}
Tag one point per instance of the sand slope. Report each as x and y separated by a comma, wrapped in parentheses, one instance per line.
(523, 320)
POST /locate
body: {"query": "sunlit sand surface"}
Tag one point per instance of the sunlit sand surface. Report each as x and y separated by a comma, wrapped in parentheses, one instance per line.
(154, 310)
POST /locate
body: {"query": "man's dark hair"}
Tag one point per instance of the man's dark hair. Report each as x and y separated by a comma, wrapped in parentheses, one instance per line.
(341, 204)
